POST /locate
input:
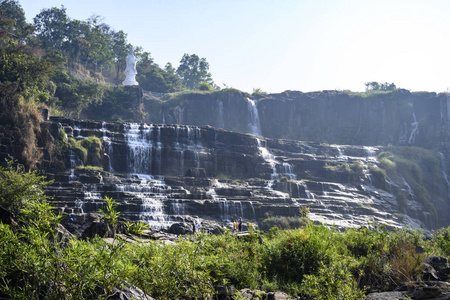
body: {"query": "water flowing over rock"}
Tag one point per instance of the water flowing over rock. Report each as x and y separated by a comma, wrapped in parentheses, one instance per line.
(333, 117)
(167, 174)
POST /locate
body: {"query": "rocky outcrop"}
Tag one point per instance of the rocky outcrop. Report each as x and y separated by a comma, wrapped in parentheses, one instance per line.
(166, 174)
(333, 117)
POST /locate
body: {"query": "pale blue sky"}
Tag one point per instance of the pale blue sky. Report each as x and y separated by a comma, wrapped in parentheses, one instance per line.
(287, 44)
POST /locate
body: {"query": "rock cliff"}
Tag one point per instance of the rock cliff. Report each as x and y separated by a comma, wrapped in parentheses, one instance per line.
(164, 174)
(399, 117)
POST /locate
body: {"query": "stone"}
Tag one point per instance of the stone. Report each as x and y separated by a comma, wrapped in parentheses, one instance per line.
(181, 228)
(437, 262)
(6, 217)
(224, 292)
(129, 293)
(99, 228)
(387, 296)
(248, 294)
(196, 172)
(429, 273)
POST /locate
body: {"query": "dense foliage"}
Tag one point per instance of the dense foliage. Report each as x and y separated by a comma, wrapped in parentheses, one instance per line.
(38, 262)
(75, 67)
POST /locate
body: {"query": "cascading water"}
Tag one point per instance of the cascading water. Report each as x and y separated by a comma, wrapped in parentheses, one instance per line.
(444, 173)
(220, 119)
(151, 191)
(270, 159)
(288, 170)
(140, 148)
(106, 141)
(254, 125)
(414, 130)
(341, 155)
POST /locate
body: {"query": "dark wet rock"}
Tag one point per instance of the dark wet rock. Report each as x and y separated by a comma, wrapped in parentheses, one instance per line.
(98, 228)
(196, 172)
(437, 262)
(225, 292)
(181, 228)
(63, 235)
(6, 217)
(429, 273)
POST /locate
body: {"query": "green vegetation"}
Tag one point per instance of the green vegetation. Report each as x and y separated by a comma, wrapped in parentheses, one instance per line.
(75, 67)
(88, 150)
(90, 168)
(313, 260)
(408, 164)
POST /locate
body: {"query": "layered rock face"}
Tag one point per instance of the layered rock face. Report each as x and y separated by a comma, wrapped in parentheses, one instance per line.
(163, 174)
(400, 117)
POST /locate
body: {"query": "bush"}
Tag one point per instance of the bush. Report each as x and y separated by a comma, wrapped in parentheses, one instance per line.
(18, 187)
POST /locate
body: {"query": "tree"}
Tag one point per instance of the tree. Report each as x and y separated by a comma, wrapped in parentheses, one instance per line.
(120, 50)
(170, 69)
(375, 86)
(52, 26)
(13, 22)
(194, 70)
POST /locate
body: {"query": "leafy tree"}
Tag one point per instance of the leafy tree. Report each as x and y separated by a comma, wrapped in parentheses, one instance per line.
(193, 70)
(30, 73)
(120, 50)
(52, 26)
(99, 37)
(13, 22)
(375, 86)
(170, 69)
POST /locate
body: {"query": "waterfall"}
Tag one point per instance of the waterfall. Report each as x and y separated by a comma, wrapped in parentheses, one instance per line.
(194, 136)
(288, 170)
(254, 125)
(444, 173)
(414, 130)
(408, 187)
(74, 162)
(370, 154)
(151, 192)
(253, 211)
(158, 148)
(140, 148)
(341, 155)
(220, 119)
(106, 141)
(269, 158)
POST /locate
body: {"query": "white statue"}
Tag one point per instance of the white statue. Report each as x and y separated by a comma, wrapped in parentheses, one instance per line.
(130, 70)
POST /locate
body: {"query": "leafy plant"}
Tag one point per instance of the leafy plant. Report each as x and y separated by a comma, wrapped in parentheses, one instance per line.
(110, 214)
(136, 228)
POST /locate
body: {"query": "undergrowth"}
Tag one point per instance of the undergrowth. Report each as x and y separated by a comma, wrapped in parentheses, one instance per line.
(313, 261)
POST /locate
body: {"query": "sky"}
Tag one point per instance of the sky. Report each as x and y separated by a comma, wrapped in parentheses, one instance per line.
(303, 45)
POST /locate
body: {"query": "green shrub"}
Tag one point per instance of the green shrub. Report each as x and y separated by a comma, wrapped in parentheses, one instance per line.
(292, 254)
(18, 187)
(357, 167)
(281, 222)
(379, 176)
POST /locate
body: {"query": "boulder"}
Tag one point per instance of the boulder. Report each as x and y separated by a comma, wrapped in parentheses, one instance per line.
(248, 294)
(181, 228)
(225, 292)
(129, 293)
(99, 228)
